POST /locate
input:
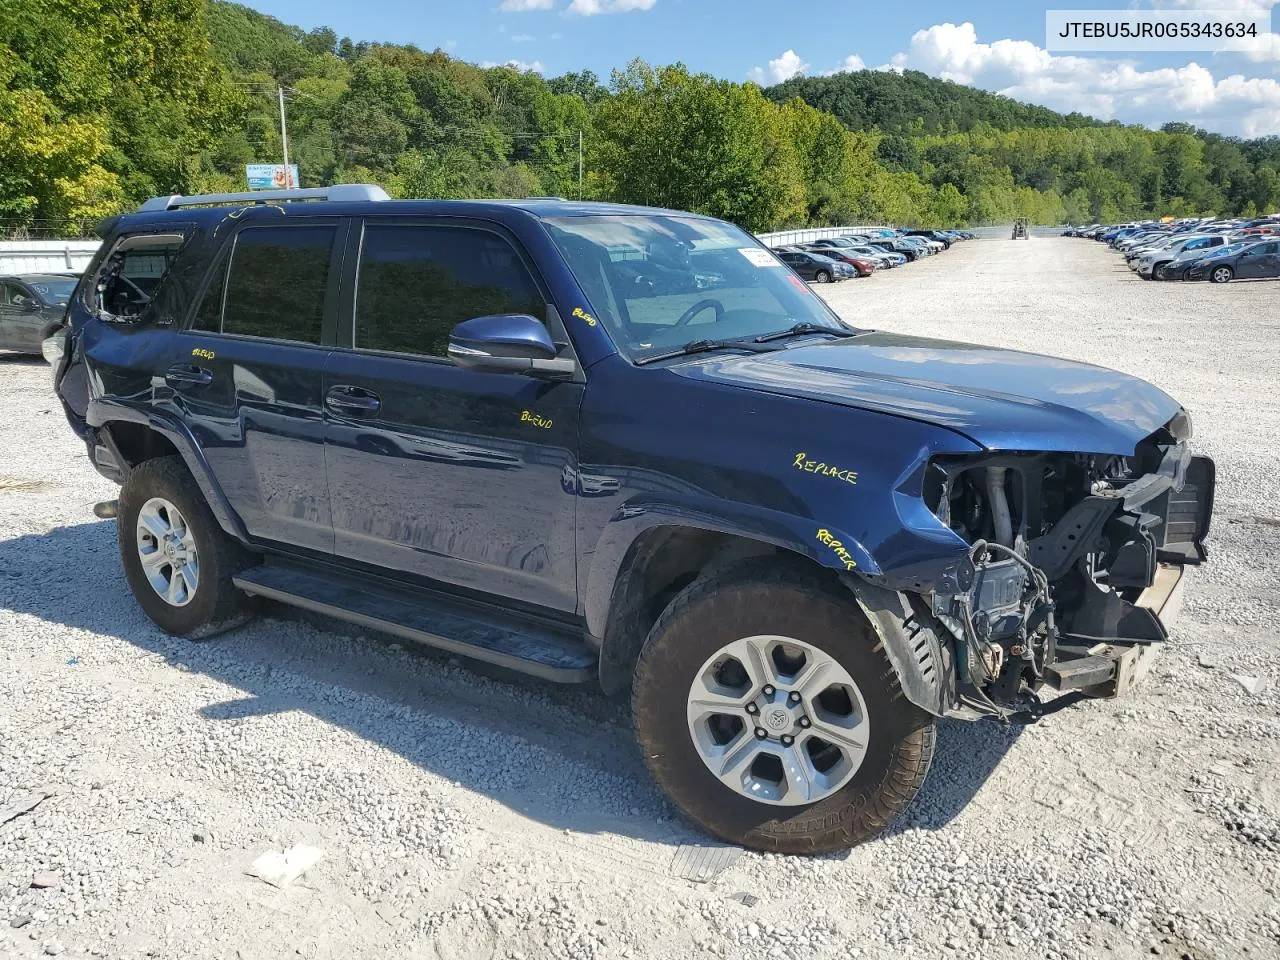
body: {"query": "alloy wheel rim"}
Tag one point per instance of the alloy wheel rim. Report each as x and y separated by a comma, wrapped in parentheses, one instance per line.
(1221, 274)
(777, 720)
(167, 550)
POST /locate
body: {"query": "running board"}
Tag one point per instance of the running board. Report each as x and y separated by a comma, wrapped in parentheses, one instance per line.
(531, 648)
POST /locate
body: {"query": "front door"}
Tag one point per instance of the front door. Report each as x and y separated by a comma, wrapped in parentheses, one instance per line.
(247, 376)
(20, 318)
(436, 470)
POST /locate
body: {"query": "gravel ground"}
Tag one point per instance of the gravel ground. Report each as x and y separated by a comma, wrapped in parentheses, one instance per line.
(464, 813)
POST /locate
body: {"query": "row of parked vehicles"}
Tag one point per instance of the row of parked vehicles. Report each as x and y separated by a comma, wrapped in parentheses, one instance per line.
(1195, 248)
(862, 253)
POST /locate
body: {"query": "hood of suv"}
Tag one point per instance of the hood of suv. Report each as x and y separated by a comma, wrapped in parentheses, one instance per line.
(1002, 399)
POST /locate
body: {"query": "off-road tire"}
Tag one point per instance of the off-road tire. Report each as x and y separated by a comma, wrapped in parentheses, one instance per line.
(216, 604)
(761, 598)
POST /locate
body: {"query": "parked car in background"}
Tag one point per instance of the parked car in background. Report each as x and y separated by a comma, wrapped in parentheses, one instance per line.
(1158, 257)
(897, 245)
(1252, 261)
(31, 308)
(934, 235)
(814, 266)
(1179, 267)
(861, 265)
(887, 257)
(924, 244)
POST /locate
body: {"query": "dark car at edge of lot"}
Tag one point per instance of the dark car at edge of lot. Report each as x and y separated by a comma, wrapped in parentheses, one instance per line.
(32, 306)
(1251, 261)
(797, 542)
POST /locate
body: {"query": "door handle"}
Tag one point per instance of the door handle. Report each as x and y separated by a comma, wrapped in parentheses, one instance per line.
(188, 374)
(347, 399)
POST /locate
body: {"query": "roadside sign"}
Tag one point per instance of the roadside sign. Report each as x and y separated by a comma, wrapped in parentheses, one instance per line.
(271, 176)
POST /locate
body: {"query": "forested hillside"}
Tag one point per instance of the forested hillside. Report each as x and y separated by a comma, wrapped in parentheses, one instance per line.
(106, 102)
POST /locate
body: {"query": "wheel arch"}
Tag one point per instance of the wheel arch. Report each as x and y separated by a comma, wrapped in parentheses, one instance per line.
(626, 597)
(136, 435)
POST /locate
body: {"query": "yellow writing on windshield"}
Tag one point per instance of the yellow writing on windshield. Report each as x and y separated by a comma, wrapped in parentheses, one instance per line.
(583, 315)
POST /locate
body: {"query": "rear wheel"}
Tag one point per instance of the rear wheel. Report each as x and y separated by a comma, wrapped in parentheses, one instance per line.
(178, 561)
(1222, 275)
(768, 712)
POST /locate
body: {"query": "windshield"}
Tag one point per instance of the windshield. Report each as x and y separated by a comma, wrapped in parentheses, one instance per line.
(1231, 249)
(56, 291)
(659, 283)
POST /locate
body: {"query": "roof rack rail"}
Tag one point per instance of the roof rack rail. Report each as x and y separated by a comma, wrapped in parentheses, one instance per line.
(341, 191)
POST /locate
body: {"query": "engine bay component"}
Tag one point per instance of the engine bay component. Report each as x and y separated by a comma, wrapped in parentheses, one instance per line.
(1066, 552)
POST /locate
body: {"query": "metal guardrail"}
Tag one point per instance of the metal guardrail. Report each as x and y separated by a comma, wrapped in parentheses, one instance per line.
(782, 238)
(46, 256)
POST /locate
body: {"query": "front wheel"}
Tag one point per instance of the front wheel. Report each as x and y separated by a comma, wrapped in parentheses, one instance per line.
(768, 712)
(823, 277)
(178, 561)
(1222, 275)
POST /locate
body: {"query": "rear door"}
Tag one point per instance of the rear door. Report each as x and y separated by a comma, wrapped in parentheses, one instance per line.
(247, 375)
(436, 470)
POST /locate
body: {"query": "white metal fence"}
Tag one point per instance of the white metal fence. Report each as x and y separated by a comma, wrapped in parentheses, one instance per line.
(783, 237)
(46, 256)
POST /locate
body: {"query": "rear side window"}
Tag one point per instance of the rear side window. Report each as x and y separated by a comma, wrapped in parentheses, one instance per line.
(417, 282)
(275, 285)
(132, 274)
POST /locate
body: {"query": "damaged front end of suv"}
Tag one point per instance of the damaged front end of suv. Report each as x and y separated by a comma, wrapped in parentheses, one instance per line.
(1073, 561)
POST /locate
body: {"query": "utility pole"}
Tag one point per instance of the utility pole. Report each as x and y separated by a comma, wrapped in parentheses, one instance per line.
(284, 140)
(579, 164)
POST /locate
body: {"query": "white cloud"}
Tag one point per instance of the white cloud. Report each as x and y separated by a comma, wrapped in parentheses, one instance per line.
(523, 38)
(1103, 88)
(1264, 49)
(523, 6)
(521, 66)
(783, 68)
(850, 64)
(589, 8)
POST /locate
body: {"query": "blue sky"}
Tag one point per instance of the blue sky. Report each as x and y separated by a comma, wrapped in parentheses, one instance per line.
(996, 45)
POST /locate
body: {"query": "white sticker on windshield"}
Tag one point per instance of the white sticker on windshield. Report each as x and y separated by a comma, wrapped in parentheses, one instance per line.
(761, 258)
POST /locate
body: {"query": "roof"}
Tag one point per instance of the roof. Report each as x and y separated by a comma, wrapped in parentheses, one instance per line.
(536, 207)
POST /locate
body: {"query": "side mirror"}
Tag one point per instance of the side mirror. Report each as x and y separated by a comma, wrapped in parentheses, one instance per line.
(513, 342)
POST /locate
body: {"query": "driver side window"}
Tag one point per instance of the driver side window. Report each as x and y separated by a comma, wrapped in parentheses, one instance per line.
(12, 295)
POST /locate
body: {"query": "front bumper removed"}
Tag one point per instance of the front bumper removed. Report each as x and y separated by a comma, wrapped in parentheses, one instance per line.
(1107, 651)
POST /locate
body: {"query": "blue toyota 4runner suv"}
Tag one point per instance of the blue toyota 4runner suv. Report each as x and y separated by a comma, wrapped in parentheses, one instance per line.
(590, 441)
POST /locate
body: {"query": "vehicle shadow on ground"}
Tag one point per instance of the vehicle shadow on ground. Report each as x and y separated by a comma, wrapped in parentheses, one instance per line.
(11, 359)
(370, 686)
